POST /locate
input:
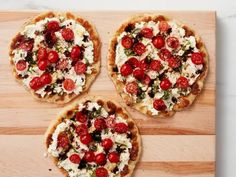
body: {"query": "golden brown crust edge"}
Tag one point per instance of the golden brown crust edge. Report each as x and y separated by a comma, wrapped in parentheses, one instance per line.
(109, 105)
(89, 78)
(184, 101)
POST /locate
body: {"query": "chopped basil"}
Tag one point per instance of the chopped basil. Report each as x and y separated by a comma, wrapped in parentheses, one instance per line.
(96, 113)
(166, 95)
(129, 52)
(30, 60)
(135, 31)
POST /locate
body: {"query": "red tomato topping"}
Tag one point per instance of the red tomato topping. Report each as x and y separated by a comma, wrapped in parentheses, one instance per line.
(139, 48)
(75, 158)
(182, 82)
(53, 26)
(132, 87)
(159, 105)
(127, 42)
(36, 83)
(80, 68)
(120, 128)
(42, 64)
(146, 80)
(107, 143)
(138, 74)
(155, 65)
(164, 54)
(134, 62)
(89, 156)
(86, 139)
(110, 120)
(172, 42)
(100, 124)
(144, 65)
(126, 69)
(62, 64)
(46, 78)
(67, 34)
(81, 129)
(53, 56)
(69, 84)
(165, 84)
(100, 159)
(42, 54)
(158, 41)
(147, 32)
(114, 157)
(21, 65)
(101, 172)
(27, 46)
(81, 117)
(75, 53)
(173, 62)
(197, 58)
(163, 26)
(62, 140)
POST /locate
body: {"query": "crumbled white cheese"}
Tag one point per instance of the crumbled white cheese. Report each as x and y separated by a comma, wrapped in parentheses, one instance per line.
(91, 105)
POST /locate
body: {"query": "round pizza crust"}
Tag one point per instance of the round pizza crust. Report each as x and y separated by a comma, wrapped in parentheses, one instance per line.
(185, 101)
(110, 106)
(97, 56)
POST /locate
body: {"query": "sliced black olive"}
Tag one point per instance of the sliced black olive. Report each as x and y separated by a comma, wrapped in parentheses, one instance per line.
(174, 100)
(82, 164)
(115, 69)
(129, 28)
(96, 135)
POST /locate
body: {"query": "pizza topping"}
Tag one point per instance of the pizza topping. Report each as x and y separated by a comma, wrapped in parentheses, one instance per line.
(157, 61)
(54, 45)
(46, 78)
(159, 105)
(85, 141)
(101, 172)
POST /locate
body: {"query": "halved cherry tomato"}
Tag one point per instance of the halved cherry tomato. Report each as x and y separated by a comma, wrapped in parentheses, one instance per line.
(197, 58)
(21, 65)
(155, 65)
(75, 53)
(158, 42)
(147, 32)
(159, 105)
(110, 121)
(75, 158)
(42, 64)
(172, 42)
(182, 82)
(53, 56)
(100, 124)
(79, 116)
(53, 26)
(46, 78)
(138, 74)
(139, 48)
(133, 62)
(113, 157)
(62, 64)
(143, 65)
(163, 26)
(132, 87)
(42, 54)
(173, 62)
(165, 84)
(101, 172)
(69, 84)
(126, 69)
(89, 156)
(86, 139)
(80, 68)
(127, 42)
(81, 129)
(121, 127)
(146, 80)
(62, 140)
(36, 83)
(27, 46)
(107, 143)
(67, 34)
(100, 159)
(164, 54)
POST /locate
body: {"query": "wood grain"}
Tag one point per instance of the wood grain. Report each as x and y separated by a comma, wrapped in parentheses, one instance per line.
(182, 146)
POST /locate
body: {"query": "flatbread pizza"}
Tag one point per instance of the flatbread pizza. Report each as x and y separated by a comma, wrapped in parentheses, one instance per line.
(56, 56)
(94, 137)
(158, 65)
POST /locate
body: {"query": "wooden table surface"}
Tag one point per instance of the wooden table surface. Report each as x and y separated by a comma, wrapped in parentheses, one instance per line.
(182, 146)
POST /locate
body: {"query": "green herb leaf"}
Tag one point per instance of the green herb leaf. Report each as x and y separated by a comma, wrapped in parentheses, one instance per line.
(166, 95)
(128, 52)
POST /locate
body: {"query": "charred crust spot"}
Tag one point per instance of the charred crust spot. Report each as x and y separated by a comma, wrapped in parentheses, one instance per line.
(100, 102)
(199, 44)
(115, 69)
(195, 88)
(125, 171)
(69, 113)
(131, 125)
(112, 107)
(160, 18)
(115, 44)
(129, 27)
(48, 140)
(134, 151)
(188, 32)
